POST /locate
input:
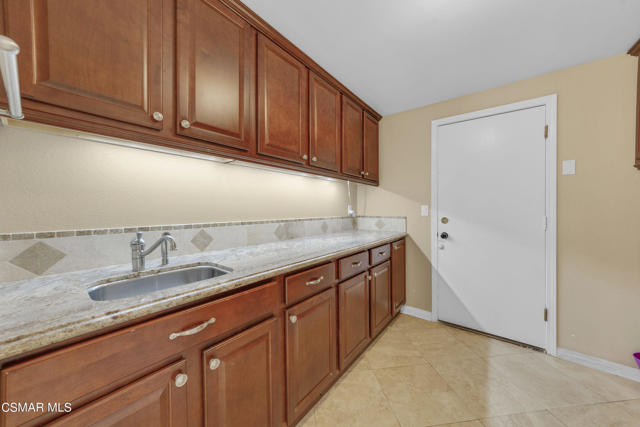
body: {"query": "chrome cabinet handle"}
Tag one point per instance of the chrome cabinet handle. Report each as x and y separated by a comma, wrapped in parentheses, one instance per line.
(362, 173)
(305, 157)
(214, 364)
(293, 318)
(356, 264)
(314, 159)
(185, 124)
(396, 246)
(366, 174)
(315, 281)
(381, 253)
(157, 116)
(192, 331)
(368, 277)
(181, 379)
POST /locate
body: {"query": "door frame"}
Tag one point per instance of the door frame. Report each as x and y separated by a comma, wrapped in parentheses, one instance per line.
(550, 103)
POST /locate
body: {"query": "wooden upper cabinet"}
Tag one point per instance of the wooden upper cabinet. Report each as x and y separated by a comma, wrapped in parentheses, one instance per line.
(324, 124)
(241, 381)
(380, 297)
(95, 56)
(352, 139)
(311, 343)
(283, 128)
(398, 275)
(159, 399)
(215, 74)
(370, 147)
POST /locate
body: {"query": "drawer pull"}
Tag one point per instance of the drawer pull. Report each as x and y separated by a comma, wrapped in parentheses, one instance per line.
(381, 253)
(396, 246)
(214, 364)
(293, 318)
(356, 264)
(181, 379)
(315, 281)
(192, 331)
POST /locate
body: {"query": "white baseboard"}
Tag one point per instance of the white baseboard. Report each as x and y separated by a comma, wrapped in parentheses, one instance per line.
(416, 312)
(600, 364)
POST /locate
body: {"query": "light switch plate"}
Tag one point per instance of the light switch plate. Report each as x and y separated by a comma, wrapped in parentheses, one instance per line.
(424, 210)
(568, 167)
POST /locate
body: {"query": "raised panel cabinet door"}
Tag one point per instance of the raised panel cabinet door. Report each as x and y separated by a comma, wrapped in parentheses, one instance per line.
(311, 343)
(398, 275)
(353, 303)
(159, 399)
(370, 148)
(352, 142)
(95, 56)
(241, 378)
(324, 124)
(215, 74)
(283, 128)
(380, 297)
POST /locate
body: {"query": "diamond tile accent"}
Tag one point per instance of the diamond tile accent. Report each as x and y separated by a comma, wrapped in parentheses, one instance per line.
(38, 258)
(380, 224)
(202, 240)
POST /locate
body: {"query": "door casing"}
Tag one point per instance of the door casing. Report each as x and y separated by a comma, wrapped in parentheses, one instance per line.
(550, 103)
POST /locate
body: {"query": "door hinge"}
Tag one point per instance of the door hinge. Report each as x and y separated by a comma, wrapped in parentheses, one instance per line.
(546, 314)
(546, 223)
(546, 131)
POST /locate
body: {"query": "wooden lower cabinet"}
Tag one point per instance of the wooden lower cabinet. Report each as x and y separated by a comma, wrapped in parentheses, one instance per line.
(380, 297)
(353, 303)
(241, 378)
(158, 399)
(398, 275)
(311, 342)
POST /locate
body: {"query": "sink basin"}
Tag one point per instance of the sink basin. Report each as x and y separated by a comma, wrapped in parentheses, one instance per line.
(141, 285)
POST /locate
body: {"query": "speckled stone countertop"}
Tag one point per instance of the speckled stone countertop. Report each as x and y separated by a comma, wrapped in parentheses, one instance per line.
(39, 312)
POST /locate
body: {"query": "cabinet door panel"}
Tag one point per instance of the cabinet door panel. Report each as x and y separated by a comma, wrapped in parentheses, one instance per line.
(380, 297)
(370, 147)
(155, 400)
(311, 351)
(398, 275)
(241, 381)
(354, 318)
(352, 143)
(282, 104)
(216, 68)
(324, 124)
(99, 57)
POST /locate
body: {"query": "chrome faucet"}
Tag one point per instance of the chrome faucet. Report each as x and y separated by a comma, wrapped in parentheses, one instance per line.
(138, 253)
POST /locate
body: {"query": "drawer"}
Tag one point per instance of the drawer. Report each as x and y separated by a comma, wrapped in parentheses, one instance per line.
(306, 283)
(84, 371)
(379, 254)
(354, 264)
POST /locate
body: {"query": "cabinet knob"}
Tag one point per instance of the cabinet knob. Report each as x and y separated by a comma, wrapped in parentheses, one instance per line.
(362, 173)
(366, 174)
(185, 124)
(214, 364)
(293, 318)
(181, 379)
(314, 159)
(157, 116)
(305, 157)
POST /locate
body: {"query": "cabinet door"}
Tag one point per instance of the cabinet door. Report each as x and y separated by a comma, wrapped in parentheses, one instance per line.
(241, 378)
(95, 56)
(398, 275)
(282, 104)
(159, 399)
(311, 351)
(324, 124)
(380, 297)
(370, 147)
(215, 74)
(353, 318)
(352, 143)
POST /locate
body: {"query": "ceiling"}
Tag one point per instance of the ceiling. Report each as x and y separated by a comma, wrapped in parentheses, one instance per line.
(401, 54)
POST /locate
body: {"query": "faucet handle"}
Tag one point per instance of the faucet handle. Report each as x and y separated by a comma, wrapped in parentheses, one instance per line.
(138, 240)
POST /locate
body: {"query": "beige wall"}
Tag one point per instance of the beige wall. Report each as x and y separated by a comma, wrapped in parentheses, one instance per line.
(53, 182)
(598, 208)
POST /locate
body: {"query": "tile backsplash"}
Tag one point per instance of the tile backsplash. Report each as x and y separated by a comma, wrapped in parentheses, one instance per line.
(27, 255)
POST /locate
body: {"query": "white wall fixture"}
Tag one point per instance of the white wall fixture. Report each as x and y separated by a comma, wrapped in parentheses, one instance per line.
(568, 167)
(9, 51)
(424, 210)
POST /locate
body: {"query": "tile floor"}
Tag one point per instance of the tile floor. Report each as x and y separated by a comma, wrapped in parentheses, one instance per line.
(420, 373)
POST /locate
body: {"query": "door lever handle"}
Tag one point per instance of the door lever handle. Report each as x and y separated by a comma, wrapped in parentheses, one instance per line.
(444, 235)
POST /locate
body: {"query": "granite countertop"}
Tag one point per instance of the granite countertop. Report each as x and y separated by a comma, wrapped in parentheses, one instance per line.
(39, 312)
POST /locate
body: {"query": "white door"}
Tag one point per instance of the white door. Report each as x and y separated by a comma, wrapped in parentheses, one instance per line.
(491, 260)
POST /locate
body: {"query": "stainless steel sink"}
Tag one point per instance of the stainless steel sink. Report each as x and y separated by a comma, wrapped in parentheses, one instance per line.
(145, 284)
